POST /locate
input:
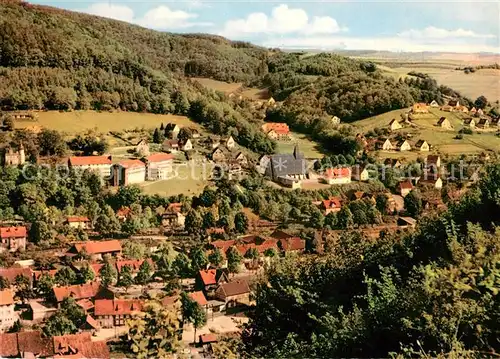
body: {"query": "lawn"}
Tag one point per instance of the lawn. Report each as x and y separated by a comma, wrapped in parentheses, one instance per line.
(80, 121)
(221, 86)
(309, 148)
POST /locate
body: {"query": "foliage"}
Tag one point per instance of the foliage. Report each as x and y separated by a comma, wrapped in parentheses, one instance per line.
(193, 313)
(65, 276)
(125, 278)
(233, 259)
(107, 273)
(144, 273)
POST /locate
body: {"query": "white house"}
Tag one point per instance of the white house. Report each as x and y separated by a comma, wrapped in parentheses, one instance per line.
(7, 314)
(129, 172)
(99, 164)
(159, 166)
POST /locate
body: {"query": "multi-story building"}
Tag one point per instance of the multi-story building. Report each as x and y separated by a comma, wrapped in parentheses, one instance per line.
(129, 172)
(7, 314)
(14, 158)
(12, 238)
(99, 164)
(159, 166)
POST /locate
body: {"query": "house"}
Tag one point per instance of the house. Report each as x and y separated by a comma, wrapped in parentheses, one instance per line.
(79, 346)
(495, 123)
(403, 145)
(405, 187)
(331, 205)
(159, 166)
(454, 103)
(431, 180)
(13, 239)
(470, 122)
(288, 242)
(479, 112)
(392, 162)
(173, 220)
(186, 145)
(445, 123)
(174, 207)
(420, 107)
(271, 102)
(171, 146)
(241, 159)
(96, 249)
(395, 125)
(172, 131)
(142, 148)
(129, 172)
(27, 344)
(360, 173)
(195, 133)
(90, 325)
(447, 108)
(38, 312)
(433, 161)
(219, 155)
(407, 222)
(213, 142)
(483, 123)
(209, 279)
(123, 214)
(277, 130)
(463, 109)
(422, 146)
(335, 120)
(434, 103)
(229, 142)
(100, 164)
(77, 291)
(207, 339)
(337, 175)
(14, 158)
(387, 145)
(7, 314)
(12, 273)
(287, 169)
(233, 293)
(78, 222)
(110, 313)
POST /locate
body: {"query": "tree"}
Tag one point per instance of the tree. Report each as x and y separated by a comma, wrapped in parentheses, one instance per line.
(134, 250)
(107, 223)
(44, 286)
(144, 273)
(59, 324)
(413, 203)
(158, 136)
(184, 134)
(86, 274)
(198, 259)
(125, 277)
(181, 265)
(153, 334)
(208, 220)
(317, 219)
(241, 222)
(24, 289)
(193, 222)
(4, 283)
(107, 274)
(252, 253)
(193, 313)
(481, 102)
(345, 218)
(270, 252)
(65, 276)
(382, 203)
(51, 143)
(8, 123)
(233, 259)
(73, 311)
(16, 327)
(215, 257)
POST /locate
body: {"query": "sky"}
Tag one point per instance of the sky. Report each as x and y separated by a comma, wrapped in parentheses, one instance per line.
(404, 25)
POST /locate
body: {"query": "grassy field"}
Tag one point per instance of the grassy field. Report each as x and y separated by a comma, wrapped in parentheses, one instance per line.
(443, 141)
(80, 121)
(218, 85)
(309, 148)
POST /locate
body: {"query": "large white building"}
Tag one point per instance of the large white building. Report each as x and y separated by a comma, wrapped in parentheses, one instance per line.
(159, 166)
(129, 172)
(100, 164)
(7, 314)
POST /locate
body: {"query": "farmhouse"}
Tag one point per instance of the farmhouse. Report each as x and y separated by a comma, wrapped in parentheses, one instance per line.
(79, 222)
(7, 313)
(276, 130)
(234, 293)
(186, 145)
(173, 220)
(433, 161)
(172, 131)
(39, 312)
(170, 146)
(129, 172)
(142, 148)
(403, 145)
(445, 123)
(14, 158)
(287, 169)
(335, 120)
(13, 272)
(395, 125)
(241, 158)
(392, 162)
(483, 123)
(420, 108)
(100, 164)
(13, 239)
(209, 279)
(434, 103)
(159, 166)
(405, 187)
(432, 181)
(337, 175)
(422, 146)
(387, 145)
(470, 123)
(96, 249)
(331, 205)
(110, 313)
(454, 103)
(77, 292)
(219, 155)
(360, 173)
(229, 142)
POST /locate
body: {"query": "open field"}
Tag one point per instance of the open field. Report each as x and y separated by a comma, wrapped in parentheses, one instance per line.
(443, 141)
(80, 121)
(309, 148)
(218, 85)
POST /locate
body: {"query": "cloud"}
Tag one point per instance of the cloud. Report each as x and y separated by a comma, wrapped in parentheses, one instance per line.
(160, 17)
(432, 32)
(283, 20)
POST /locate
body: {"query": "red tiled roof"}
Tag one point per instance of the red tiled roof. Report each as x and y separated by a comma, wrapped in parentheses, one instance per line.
(132, 164)
(293, 244)
(278, 127)
(78, 291)
(123, 212)
(92, 322)
(61, 343)
(338, 172)
(234, 288)
(85, 303)
(80, 346)
(74, 219)
(199, 297)
(117, 306)
(208, 276)
(34, 342)
(94, 350)
(223, 245)
(405, 185)
(170, 300)
(99, 246)
(333, 202)
(279, 234)
(174, 207)
(90, 160)
(216, 230)
(96, 268)
(6, 297)
(8, 345)
(12, 232)
(160, 157)
(208, 338)
(38, 273)
(11, 273)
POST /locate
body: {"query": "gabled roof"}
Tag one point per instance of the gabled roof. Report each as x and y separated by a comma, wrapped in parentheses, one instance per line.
(208, 276)
(76, 219)
(420, 143)
(433, 159)
(234, 288)
(208, 338)
(117, 306)
(61, 343)
(174, 207)
(171, 143)
(34, 342)
(6, 297)
(293, 244)
(11, 273)
(77, 291)
(8, 345)
(198, 297)
(441, 120)
(338, 172)
(132, 164)
(405, 185)
(333, 202)
(12, 232)
(160, 157)
(98, 247)
(90, 160)
(134, 264)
